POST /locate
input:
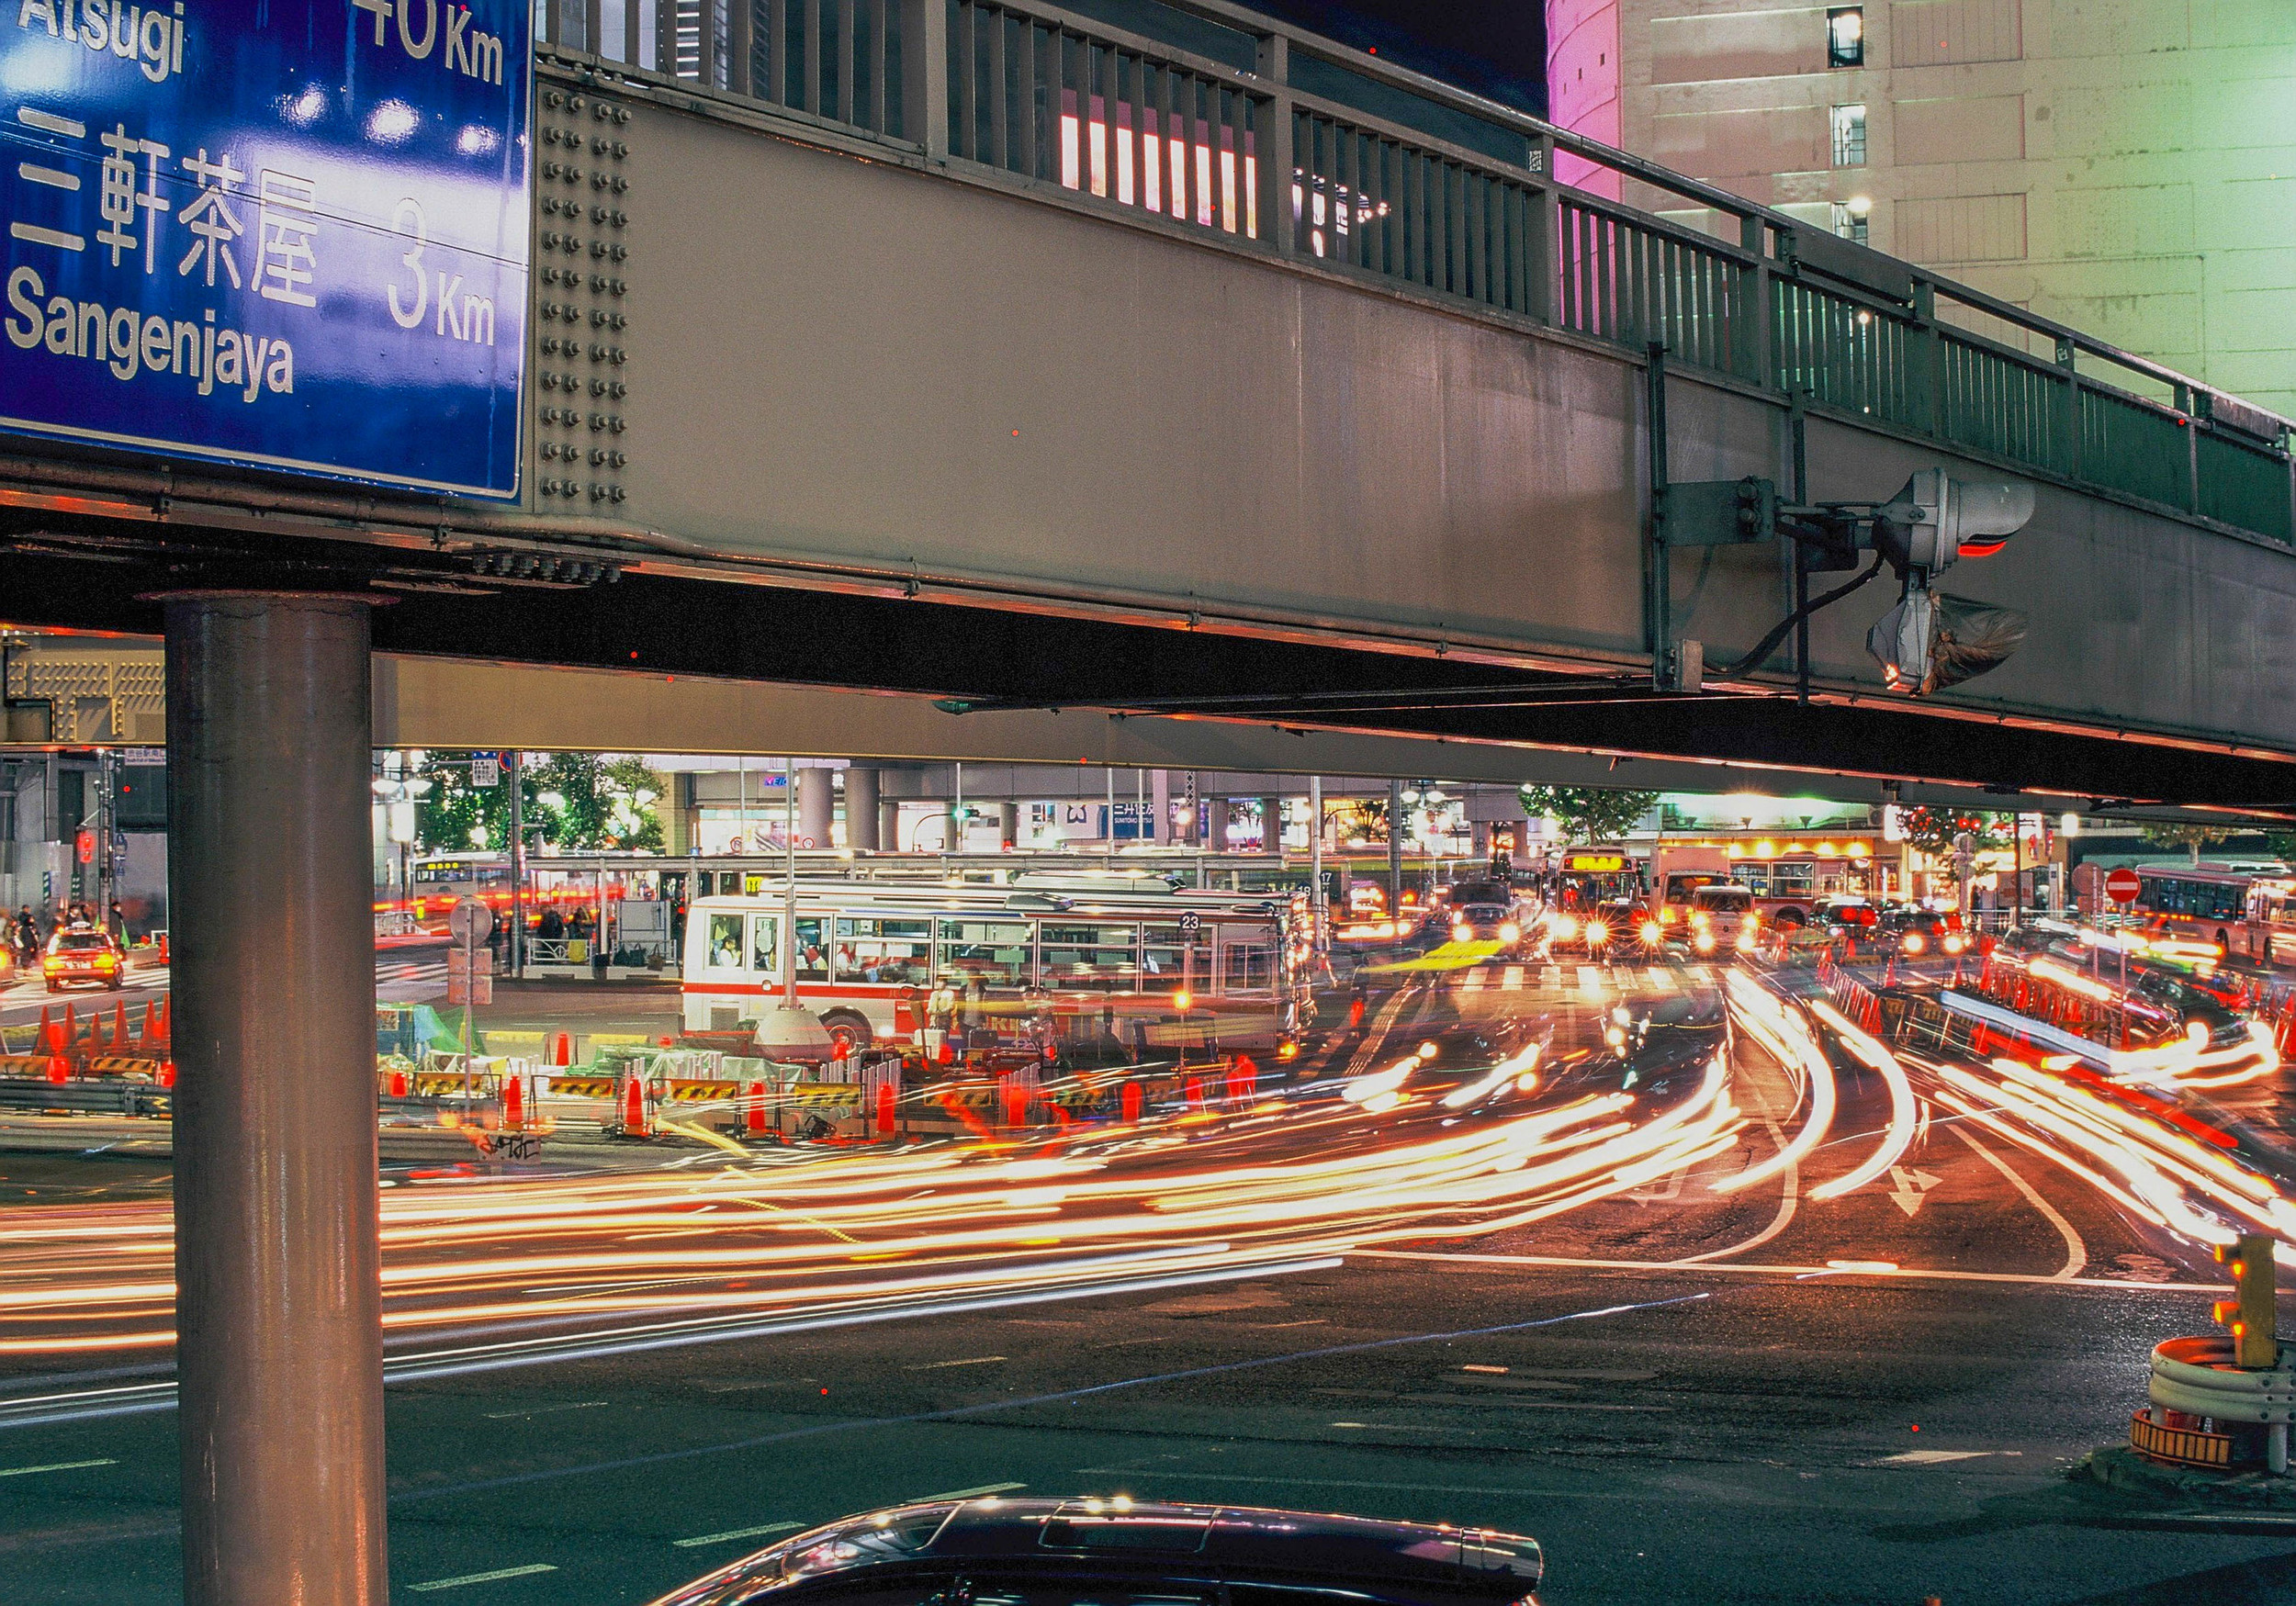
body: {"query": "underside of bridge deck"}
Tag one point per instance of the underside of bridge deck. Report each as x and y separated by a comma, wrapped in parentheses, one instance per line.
(88, 575)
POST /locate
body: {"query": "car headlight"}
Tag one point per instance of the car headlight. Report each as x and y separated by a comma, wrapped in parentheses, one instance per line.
(1954, 944)
(1652, 931)
(1564, 927)
(1461, 933)
(1597, 932)
(1915, 943)
(1703, 941)
(1510, 932)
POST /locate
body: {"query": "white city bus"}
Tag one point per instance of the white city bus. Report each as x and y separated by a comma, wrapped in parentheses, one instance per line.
(870, 952)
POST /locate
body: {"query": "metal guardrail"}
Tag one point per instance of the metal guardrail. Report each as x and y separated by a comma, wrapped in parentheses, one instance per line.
(1409, 181)
(86, 1097)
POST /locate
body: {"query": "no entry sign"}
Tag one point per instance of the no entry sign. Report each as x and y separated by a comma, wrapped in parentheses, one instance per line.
(2121, 885)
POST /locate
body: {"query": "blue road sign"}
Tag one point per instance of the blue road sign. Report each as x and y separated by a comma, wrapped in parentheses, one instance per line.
(289, 234)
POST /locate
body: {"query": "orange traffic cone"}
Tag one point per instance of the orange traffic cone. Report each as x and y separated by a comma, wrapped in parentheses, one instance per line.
(44, 1039)
(397, 1083)
(119, 1026)
(1016, 1104)
(71, 1032)
(150, 1030)
(58, 1068)
(167, 1074)
(1132, 1098)
(635, 1114)
(753, 1108)
(887, 1101)
(562, 1049)
(513, 1100)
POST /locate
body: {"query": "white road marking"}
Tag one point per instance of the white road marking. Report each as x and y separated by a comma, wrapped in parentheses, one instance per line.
(1763, 1268)
(1661, 977)
(2077, 1252)
(1930, 1457)
(1473, 980)
(1512, 980)
(543, 1411)
(731, 1533)
(1913, 1186)
(970, 1494)
(968, 1361)
(55, 1467)
(1591, 982)
(502, 1572)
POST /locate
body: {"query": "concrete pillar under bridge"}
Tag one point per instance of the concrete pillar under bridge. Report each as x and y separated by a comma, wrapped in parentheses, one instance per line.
(863, 833)
(817, 806)
(279, 1356)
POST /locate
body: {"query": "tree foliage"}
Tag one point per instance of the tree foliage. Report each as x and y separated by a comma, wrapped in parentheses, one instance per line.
(1589, 814)
(573, 801)
(1932, 830)
(2191, 838)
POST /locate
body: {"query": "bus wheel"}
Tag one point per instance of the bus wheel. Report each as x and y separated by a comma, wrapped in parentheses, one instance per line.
(2223, 943)
(848, 1031)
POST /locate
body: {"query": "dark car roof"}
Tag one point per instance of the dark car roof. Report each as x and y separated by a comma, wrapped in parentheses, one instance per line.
(1409, 1561)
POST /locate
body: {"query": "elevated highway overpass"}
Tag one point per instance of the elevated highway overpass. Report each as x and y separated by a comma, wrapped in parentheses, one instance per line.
(1026, 383)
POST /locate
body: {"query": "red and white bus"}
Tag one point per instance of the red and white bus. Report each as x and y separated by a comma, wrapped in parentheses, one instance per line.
(2201, 904)
(869, 953)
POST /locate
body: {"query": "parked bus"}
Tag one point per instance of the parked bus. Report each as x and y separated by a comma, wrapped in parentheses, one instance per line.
(2270, 931)
(2202, 903)
(1126, 949)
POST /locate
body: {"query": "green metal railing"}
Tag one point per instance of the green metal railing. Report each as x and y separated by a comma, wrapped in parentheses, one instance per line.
(1225, 124)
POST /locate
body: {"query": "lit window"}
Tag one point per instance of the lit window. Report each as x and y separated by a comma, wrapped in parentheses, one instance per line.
(1849, 219)
(1845, 36)
(1848, 123)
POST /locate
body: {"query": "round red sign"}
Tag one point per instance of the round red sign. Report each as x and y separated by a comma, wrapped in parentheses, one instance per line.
(2121, 885)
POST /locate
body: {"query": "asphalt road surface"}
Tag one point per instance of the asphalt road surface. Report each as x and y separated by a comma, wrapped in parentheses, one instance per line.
(1613, 1297)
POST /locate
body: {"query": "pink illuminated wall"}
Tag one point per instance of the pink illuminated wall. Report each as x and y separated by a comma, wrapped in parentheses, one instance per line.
(1582, 83)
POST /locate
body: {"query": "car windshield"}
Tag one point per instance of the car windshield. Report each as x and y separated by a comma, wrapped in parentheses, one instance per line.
(83, 942)
(1723, 900)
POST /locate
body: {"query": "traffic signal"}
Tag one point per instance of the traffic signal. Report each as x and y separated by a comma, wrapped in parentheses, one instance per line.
(1937, 519)
(2253, 1312)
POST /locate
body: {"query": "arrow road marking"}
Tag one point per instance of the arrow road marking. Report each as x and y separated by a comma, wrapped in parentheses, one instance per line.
(1913, 1186)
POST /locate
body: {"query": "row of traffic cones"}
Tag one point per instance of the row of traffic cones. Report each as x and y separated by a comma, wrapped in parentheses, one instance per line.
(61, 1037)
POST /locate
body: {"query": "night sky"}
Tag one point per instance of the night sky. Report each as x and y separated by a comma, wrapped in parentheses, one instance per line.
(1496, 48)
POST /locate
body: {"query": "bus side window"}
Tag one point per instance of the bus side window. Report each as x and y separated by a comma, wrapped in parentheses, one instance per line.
(765, 943)
(812, 948)
(724, 953)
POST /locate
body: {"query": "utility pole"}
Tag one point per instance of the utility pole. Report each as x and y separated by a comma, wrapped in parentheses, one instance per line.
(1394, 848)
(518, 864)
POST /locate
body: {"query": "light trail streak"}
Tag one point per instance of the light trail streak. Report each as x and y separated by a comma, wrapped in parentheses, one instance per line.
(1902, 1118)
(524, 1271)
(1790, 1043)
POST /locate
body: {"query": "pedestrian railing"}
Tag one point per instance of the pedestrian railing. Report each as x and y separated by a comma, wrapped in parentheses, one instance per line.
(1231, 123)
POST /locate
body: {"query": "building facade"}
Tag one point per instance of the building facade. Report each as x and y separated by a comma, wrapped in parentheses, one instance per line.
(2124, 166)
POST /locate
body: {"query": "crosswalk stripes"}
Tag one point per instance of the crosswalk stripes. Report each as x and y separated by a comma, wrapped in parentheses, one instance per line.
(1512, 979)
(1474, 980)
(1591, 982)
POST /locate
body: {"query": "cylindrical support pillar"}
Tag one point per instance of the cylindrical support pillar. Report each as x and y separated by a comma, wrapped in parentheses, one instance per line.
(1160, 805)
(2275, 1447)
(862, 820)
(1271, 824)
(888, 825)
(816, 805)
(1007, 824)
(1216, 816)
(278, 1306)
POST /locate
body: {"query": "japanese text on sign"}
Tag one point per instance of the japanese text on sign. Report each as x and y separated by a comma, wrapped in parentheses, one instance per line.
(282, 233)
